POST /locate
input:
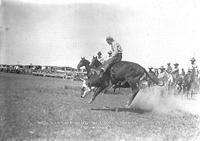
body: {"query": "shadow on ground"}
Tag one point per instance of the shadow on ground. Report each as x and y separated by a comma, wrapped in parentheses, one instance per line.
(118, 109)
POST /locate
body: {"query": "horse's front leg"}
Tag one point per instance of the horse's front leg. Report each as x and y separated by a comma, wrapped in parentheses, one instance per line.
(97, 92)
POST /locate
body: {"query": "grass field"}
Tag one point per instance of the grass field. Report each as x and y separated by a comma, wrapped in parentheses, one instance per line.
(34, 108)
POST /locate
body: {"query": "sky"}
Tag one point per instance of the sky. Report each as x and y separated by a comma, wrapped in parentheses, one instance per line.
(151, 32)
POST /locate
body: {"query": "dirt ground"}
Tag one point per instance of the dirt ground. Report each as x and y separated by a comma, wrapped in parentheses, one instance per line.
(34, 108)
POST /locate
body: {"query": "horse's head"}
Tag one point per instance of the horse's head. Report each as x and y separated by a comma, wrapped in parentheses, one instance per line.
(95, 62)
(83, 62)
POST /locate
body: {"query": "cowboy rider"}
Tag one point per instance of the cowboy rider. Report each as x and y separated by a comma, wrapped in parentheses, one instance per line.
(193, 62)
(175, 72)
(152, 74)
(194, 66)
(169, 68)
(99, 57)
(182, 72)
(176, 69)
(116, 55)
(161, 74)
(162, 70)
(156, 71)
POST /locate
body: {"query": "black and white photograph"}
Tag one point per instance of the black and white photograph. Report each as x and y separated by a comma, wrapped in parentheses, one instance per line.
(99, 70)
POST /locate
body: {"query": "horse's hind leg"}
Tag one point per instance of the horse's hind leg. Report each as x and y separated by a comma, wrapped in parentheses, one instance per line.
(135, 89)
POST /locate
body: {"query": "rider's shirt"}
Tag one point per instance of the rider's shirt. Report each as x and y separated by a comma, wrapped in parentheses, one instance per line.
(176, 71)
(169, 69)
(161, 74)
(116, 48)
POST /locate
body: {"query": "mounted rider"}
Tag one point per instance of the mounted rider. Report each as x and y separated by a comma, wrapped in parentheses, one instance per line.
(151, 70)
(151, 74)
(193, 62)
(169, 68)
(162, 72)
(116, 55)
(194, 70)
(193, 65)
(156, 71)
(99, 57)
(176, 69)
(175, 72)
(182, 72)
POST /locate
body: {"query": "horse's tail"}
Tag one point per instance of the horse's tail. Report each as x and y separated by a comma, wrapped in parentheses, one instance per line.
(157, 82)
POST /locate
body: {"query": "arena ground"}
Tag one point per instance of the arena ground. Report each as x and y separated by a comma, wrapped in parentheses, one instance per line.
(34, 108)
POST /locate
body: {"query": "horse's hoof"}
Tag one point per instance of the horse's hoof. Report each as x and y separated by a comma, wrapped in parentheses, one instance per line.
(128, 105)
(90, 102)
(106, 107)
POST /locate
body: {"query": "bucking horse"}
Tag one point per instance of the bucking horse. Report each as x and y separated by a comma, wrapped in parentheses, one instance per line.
(123, 71)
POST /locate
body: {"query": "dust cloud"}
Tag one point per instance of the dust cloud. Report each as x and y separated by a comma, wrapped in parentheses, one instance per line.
(158, 100)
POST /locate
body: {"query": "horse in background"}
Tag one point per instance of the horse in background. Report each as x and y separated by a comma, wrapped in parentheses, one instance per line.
(95, 63)
(167, 78)
(179, 82)
(190, 83)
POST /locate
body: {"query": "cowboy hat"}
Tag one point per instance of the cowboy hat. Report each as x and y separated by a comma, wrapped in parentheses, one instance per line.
(193, 59)
(150, 67)
(109, 38)
(162, 68)
(99, 53)
(176, 64)
(168, 63)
